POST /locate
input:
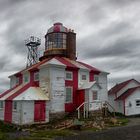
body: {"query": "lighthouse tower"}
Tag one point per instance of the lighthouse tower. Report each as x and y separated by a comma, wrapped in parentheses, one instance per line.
(60, 41)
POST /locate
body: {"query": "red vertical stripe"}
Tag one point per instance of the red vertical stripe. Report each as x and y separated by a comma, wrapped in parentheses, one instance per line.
(8, 111)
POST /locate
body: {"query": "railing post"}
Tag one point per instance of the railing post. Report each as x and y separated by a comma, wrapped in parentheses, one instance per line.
(78, 113)
(84, 111)
(87, 108)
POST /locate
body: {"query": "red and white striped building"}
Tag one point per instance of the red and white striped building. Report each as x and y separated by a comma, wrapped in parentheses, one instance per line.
(58, 83)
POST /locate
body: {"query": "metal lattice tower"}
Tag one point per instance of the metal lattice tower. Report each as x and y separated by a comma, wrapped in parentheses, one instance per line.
(32, 45)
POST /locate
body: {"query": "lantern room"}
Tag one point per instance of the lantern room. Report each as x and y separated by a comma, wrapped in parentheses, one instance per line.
(60, 41)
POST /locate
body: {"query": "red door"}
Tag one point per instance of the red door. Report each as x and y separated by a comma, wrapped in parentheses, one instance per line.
(81, 97)
(40, 111)
(8, 111)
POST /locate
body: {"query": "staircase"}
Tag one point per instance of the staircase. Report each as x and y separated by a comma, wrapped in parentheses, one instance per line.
(101, 111)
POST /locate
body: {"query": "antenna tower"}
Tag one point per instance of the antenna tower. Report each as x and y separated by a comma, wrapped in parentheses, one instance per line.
(32, 45)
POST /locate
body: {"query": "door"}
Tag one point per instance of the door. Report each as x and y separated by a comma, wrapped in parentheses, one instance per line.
(80, 97)
(39, 111)
(8, 111)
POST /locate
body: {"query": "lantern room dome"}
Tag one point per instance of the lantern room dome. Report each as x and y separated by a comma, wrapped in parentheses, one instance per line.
(57, 27)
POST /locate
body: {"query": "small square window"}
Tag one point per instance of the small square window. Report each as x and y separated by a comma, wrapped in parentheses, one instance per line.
(69, 94)
(84, 77)
(138, 103)
(14, 105)
(1, 104)
(26, 78)
(94, 95)
(36, 76)
(69, 76)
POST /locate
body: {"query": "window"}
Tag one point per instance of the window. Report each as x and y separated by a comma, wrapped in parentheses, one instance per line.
(26, 78)
(17, 80)
(36, 76)
(69, 75)
(84, 77)
(96, 78)
(94, 95)
(1, 104)
(14, 105)
(138, 103)
(69, 94)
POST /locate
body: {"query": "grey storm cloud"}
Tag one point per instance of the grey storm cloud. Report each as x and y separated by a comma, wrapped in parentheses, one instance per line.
(108, 35)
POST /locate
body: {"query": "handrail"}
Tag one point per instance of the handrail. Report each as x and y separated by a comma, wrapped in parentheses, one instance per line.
(81, 105)
(87, 109)
(111, 107)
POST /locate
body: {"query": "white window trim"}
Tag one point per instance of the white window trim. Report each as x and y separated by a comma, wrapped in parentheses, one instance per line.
(135, 102)
(69, 72)
(35, 76)
(71, 94)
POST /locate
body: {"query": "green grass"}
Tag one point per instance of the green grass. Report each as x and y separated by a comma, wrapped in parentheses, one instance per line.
(123, 121)
(51, 133)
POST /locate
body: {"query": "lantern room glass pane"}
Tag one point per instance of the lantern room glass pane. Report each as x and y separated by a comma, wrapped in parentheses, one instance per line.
(56, 40)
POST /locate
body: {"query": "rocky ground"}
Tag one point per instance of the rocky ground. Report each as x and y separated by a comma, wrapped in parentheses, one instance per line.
(129, 132)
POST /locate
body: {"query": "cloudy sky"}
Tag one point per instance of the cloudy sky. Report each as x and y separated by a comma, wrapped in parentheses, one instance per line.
(108, 33)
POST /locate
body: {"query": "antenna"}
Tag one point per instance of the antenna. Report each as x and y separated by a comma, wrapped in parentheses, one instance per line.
(32, 44)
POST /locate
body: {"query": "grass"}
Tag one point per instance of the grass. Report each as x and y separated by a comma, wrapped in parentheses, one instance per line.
(51, 133)
(123, 121)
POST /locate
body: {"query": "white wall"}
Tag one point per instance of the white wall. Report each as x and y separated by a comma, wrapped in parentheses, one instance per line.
(103, 84)
(52, 81)
(119, 106)
(27, 112)
(94, 104)
(57, 80)
(47, 111)
(12, 81)
(16, 114)
(133, 109)
(80, 73)
(44, 80)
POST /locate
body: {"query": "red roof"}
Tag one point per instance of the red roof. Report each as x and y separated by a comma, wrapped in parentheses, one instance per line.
(120, 86)
(90, 67)
(127, 93)
(64, 61)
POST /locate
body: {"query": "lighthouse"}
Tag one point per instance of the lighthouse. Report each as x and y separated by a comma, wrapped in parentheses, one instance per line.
(55, 85)
(60, 41)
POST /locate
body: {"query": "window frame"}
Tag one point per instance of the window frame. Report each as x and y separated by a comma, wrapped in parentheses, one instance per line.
(70, 101)
(93, 92)
(85, 78)
(137, 104)
(69, 72)
(26, 75)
